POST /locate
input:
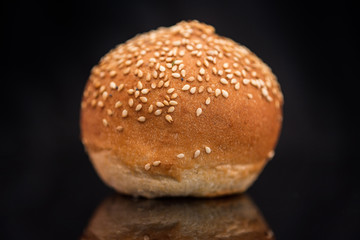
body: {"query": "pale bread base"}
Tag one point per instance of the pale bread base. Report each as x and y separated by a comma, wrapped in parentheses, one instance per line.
(200, 182)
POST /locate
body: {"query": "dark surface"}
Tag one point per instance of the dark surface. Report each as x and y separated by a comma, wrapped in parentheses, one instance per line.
(49, 188)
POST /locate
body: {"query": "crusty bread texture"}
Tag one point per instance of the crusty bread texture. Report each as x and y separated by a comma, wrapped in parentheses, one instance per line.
(181, 111)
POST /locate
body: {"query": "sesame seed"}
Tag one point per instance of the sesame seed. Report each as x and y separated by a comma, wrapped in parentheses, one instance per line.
(249, 95)
(100, 104)
(131, 102)
(190, 79)
(151, 108)
(137, 93)
(139, 63)
(147, 166)
(174, 96)
(145, 91)
(158, 112)
(225, 65)
(201, 89)
(229, 76)
(264, 91)
(174, 68)
(202, 71)
(214, 71)
(128, 62)
(167, 97)
(166, 84)
(181, 155)
(102, 89)
(159, 104)
(198, 63)
(206, 63)
(160, 83)
(170, 90)
(186, 87)
(233, 81)
(181, 66)
(121, 86)
(207, 150)
(177, 62)
(237, 86)
(225, 93)
(139, 85)
(175, 75)
(199, 78)
(173, 103)
(228, 70)
(124, 113)
(156, 163)
(209, 90)
(162, 69)
(196, 153)
(217, 92)
(109, 112)
(220, 72)
(246, 81)
(169, 118)
(198, 112)
(112, 85)
(138, 107)
(126, 71)
(130, 91)
(237, 73)
(153, 85)
(193, 90)
(143, 99)
(105, 122)
(113, 73)
(119, 128)
(155, 74)
(183, 73)
(141, 119)
(171, 109)
(223, 81)
(207, 101)
(105, 95)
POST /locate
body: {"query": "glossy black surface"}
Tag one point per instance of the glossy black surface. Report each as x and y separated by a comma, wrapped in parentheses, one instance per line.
(48, 187)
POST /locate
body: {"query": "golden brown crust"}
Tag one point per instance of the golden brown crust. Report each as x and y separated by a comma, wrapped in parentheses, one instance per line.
(181, 97)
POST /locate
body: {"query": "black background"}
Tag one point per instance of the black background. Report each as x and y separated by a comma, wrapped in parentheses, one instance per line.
(49, 188)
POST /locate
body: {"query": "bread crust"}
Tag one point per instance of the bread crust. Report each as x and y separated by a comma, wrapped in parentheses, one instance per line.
(222, 112)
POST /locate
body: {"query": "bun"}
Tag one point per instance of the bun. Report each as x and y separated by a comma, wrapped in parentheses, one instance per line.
(180, 111)
(120, 217)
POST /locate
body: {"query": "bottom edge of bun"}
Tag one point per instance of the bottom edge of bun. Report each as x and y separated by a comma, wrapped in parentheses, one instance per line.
(222, 180)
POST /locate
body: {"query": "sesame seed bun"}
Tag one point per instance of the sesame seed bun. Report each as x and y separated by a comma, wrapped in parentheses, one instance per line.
(180, 111)
(120, 217)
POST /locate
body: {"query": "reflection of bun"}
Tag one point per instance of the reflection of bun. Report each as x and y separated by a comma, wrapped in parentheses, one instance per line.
(120, 217)
(180, 111)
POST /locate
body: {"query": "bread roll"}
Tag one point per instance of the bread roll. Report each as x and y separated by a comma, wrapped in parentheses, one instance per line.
(180, 111)
(120, 217)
